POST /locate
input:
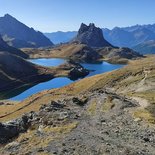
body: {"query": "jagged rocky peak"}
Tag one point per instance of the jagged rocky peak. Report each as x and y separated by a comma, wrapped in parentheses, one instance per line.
(91, 35)
(8, 16)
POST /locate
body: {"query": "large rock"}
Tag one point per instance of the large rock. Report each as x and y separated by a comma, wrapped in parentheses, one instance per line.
(91, 35)
(12, 129)
(75, 70)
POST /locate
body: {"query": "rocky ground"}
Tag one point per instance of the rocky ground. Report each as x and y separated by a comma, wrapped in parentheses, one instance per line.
(100, 123)
(111, 113)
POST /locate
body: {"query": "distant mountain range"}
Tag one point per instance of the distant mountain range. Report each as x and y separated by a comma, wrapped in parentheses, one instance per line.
(134, 37)
(146, 47)
(89, 45)
(61, 37)
(19, 35)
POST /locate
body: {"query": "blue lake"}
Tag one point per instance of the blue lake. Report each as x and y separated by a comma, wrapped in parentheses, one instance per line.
(60, 82)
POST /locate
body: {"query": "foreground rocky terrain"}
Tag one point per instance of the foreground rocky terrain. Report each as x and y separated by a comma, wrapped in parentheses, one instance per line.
(111, 113)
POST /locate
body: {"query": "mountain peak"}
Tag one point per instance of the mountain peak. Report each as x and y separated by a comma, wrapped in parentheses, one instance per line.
(91, 35)
(8, 16)
(91, 25)
(19, 35)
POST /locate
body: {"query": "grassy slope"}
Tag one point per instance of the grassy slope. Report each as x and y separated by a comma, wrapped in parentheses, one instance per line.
(62, 51)
(16, 72)
(81, 52)
(127, 81)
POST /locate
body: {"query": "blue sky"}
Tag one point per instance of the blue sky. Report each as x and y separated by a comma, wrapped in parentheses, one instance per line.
(64, 15)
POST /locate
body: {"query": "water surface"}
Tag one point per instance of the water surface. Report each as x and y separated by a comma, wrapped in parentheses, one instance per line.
(60, 82)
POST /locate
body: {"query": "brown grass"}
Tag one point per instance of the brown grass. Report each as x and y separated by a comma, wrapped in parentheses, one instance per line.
(119, 80)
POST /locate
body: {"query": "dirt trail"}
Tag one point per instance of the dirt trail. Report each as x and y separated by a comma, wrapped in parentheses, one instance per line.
(142, 102)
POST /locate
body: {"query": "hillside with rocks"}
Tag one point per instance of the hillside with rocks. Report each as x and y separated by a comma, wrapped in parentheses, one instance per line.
(4, 47)
(111, 113)
(88, 46)
(16, 72)
(19, 35)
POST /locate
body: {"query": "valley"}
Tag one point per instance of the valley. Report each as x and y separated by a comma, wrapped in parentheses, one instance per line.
(87, 91)
(107, 104)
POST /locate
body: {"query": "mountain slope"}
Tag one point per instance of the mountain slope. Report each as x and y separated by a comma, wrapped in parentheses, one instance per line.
(130, 36)
(147, 47)
(96, 115)
(16, 71)
(118, 37)
(91, 36)
(5, 47)
(19, 35)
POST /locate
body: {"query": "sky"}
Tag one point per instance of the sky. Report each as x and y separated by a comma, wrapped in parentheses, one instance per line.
(67, 15)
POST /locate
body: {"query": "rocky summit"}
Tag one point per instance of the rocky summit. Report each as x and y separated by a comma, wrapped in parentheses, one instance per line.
(91, 35)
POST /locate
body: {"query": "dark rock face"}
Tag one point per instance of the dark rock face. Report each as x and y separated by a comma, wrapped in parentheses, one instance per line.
(91, 35)
(66, 127)
(12, 129)
(86, 54)
(19, 35)
(5, 47)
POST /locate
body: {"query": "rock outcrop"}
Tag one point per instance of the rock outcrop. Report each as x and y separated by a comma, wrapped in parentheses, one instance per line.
(19, 35)
(74, 51)
(12, 129)
(91, 36)
(76, 70)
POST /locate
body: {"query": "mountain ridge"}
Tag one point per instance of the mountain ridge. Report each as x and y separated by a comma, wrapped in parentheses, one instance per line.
(4, 47)
(122, 36)
(19, 35)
